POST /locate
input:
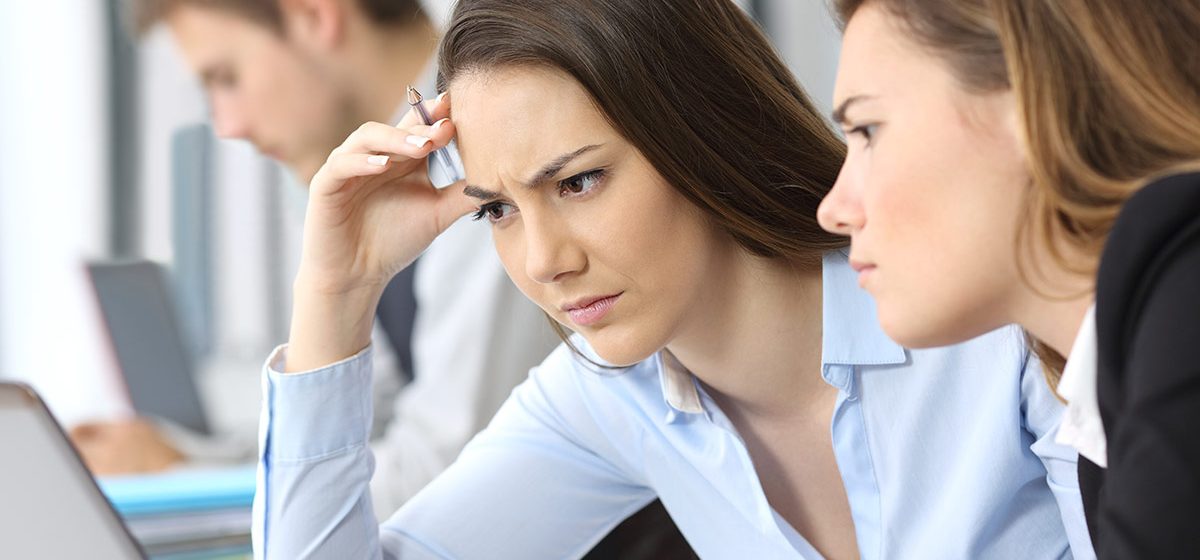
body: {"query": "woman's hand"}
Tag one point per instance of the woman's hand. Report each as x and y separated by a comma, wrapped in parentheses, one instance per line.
(371, 212)
(123, 447)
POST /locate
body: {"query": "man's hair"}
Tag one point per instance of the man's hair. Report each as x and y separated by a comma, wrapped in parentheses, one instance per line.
(147, 13)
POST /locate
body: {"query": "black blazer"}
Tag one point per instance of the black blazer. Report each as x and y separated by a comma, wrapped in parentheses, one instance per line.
(1146, 504)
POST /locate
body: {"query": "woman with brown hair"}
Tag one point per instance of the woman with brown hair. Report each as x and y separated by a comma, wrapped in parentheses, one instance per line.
(1035, 162)
(651, 174)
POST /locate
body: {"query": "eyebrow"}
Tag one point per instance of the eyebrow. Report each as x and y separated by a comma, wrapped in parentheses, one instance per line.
(546, 172)
(839, 114)
(207, 75)
(480, 193)
(210, 72)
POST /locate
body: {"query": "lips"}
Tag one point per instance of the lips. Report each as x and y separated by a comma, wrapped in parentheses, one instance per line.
(590, 310)
(864, 271)
(860, 266)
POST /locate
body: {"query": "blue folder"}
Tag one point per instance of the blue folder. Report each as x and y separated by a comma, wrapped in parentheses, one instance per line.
(181, 491)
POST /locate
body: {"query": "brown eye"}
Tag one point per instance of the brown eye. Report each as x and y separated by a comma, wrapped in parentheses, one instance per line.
(494, 211)
(580, 184)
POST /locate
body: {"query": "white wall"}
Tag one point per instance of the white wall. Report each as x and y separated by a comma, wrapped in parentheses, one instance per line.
(805, 33)
(168, 98)
(53, 181)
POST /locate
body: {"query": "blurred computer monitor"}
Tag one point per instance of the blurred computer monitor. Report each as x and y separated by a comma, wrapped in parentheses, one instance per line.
(146, 337)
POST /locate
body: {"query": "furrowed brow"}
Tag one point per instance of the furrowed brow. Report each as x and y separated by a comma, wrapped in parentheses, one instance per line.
(556, 165)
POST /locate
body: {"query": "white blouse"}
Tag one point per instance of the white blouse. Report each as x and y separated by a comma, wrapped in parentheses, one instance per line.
(1081, 426)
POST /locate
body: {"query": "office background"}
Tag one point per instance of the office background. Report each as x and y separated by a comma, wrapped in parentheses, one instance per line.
(103, 154)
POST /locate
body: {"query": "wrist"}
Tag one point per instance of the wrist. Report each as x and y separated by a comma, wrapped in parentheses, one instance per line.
(329, 323)
(320, 283)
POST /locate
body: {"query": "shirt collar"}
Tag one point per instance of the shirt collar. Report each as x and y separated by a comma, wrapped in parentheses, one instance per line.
(851, 335)
(1082, 426)
(678, 385)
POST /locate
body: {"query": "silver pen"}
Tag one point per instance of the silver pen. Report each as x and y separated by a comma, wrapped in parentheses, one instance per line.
(440, 159)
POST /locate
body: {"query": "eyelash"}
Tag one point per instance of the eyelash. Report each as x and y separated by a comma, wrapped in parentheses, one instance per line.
(867, 131)
(564, 190)
(596, 175)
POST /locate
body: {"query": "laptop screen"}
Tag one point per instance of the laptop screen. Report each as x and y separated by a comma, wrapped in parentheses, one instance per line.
(51, 507)
(148, 341)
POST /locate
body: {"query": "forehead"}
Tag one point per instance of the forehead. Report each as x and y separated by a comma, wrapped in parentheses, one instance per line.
(206, 33)
(878, 58)
(513, 120)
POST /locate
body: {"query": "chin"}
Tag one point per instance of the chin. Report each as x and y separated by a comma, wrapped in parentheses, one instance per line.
(911, 330)
(619, 346)
(914, 330)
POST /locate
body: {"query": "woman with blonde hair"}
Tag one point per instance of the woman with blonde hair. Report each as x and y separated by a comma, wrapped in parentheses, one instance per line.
(1035, 162)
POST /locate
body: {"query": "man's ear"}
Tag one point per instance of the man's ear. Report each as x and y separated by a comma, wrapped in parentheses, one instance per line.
(317, 24)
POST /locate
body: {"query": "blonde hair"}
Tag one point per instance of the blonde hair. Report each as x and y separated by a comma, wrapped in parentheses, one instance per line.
(1108, 93)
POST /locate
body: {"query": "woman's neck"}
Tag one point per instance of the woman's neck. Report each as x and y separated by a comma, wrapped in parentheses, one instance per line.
(757, 342)
(1052, 309)
(1055, 321)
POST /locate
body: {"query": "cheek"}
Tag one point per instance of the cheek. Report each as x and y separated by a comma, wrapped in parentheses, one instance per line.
(510, 246)
(944, 235)
(902, 210)
(649, 238)
(929, 204)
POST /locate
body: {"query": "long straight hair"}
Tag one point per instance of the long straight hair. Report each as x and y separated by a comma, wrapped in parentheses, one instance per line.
(696, 87)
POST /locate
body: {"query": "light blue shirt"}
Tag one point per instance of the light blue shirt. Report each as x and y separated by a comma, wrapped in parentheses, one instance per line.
(945, 453)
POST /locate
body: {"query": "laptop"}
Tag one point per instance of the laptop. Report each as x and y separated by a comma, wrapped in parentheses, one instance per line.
(51, 506)
(146, 337)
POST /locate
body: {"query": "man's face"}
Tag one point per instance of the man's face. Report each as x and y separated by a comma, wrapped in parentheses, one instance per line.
(262, 88)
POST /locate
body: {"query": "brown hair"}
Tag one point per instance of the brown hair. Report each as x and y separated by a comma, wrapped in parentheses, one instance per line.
(696, 87)
(1108, 94)
(147, 13)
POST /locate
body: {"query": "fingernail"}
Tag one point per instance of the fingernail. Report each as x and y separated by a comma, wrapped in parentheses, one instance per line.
(377, 160)
(418, 141)
(438, 125)
(442, 96)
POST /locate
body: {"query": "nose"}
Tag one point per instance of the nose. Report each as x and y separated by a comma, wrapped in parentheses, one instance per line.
(229, 120)
(551, 251)
(841, 211)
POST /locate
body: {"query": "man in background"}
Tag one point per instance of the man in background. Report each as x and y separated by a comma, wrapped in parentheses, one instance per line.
(294, 78)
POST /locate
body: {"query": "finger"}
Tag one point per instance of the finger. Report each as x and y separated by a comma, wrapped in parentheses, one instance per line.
(437, 109)
(441, 107)
(440, 133)
(341, 167)
(453, 204)
(427, 131)
(379, 138)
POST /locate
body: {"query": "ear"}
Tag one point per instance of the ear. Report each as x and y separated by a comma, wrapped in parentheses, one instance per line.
(318, 24)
